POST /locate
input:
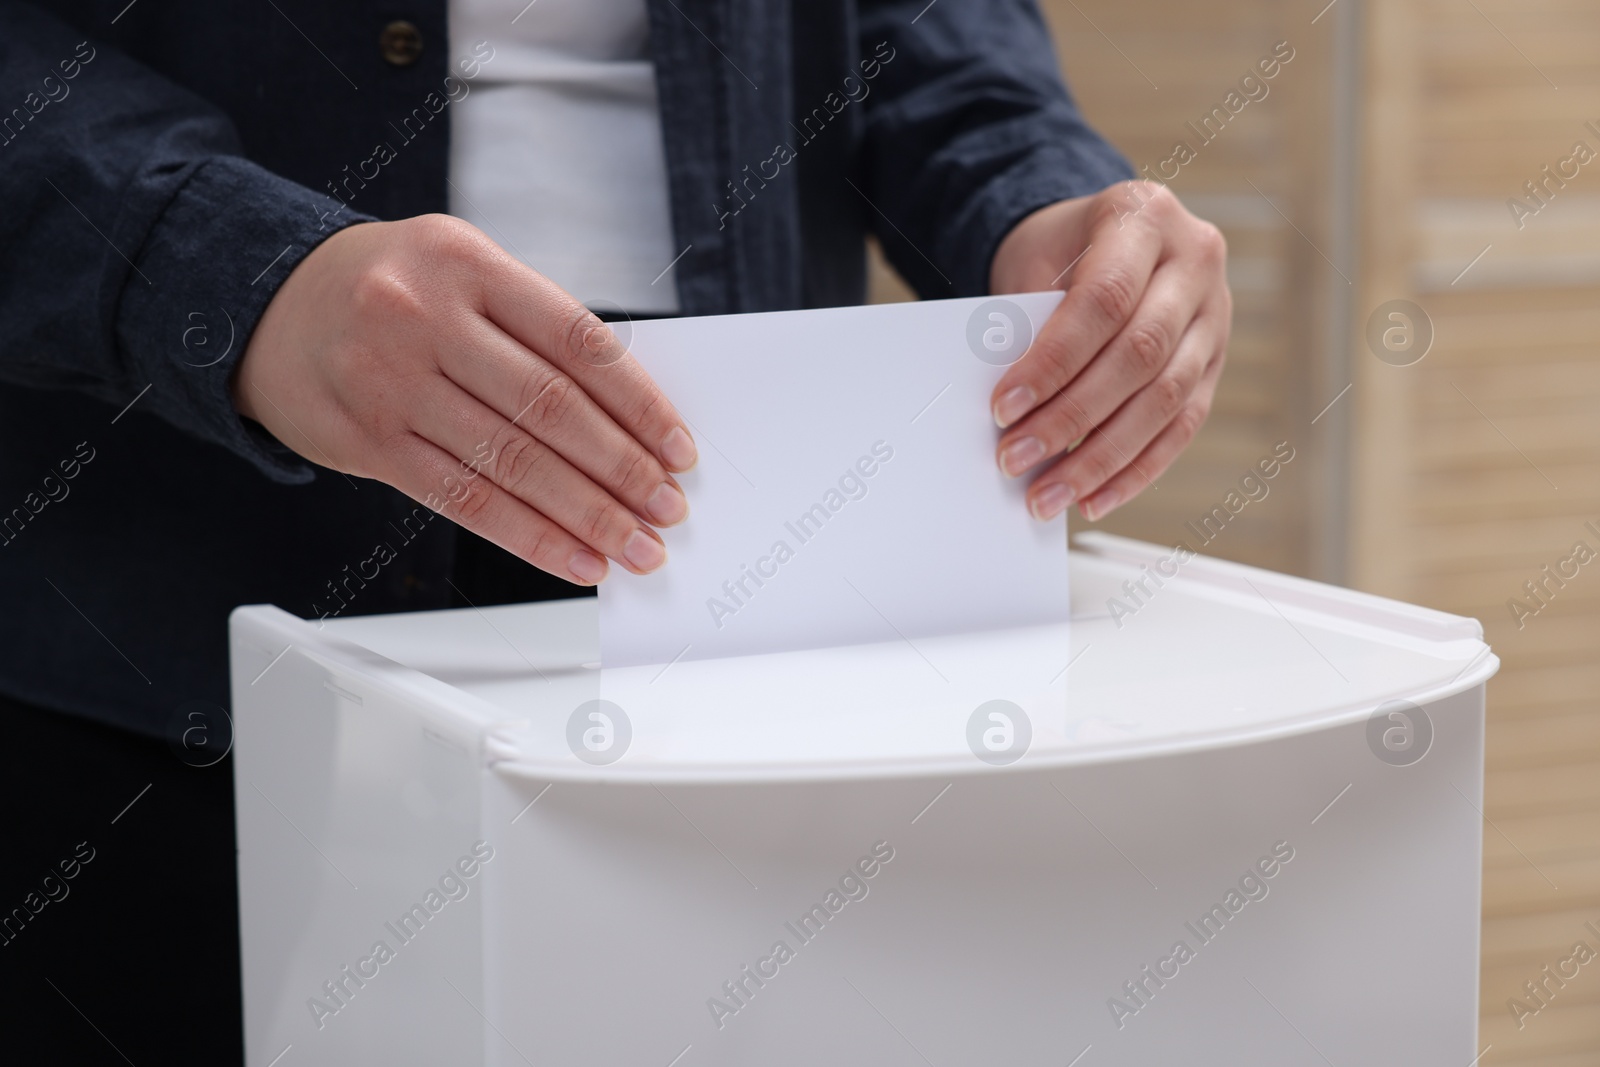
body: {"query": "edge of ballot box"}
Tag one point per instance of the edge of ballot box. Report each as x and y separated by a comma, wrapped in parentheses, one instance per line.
(263, 634)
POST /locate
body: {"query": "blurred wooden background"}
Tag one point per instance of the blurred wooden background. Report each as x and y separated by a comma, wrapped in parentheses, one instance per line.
(1379, 168)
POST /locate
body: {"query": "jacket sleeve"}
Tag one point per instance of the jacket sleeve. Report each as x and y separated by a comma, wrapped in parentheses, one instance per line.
(138, 247)
(969, 127)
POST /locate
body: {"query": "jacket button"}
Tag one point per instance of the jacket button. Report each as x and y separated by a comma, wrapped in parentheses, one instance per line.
(401, 43)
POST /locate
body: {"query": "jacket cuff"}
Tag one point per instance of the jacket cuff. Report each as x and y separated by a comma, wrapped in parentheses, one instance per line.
(206, 271)
(1048, 174)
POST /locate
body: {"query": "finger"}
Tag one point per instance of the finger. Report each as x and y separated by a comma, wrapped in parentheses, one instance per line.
(551, 406)
(540, 477)
(1114, 447)
(434, 478)
(548, 321)
(1133, 359)
(1115, 451)
(1153, 461)
(1107, 286)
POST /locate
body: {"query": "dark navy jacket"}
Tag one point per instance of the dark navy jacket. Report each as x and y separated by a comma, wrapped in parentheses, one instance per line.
(164, 164)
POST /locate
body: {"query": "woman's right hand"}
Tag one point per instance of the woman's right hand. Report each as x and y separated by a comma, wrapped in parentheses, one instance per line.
(421, 354)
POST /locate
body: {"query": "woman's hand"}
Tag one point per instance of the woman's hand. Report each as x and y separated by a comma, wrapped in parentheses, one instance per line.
(1127, 365)
(421, 354)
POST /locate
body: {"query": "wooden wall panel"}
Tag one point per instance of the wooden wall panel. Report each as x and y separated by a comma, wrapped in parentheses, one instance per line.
(1506, 471)
(1450, 496)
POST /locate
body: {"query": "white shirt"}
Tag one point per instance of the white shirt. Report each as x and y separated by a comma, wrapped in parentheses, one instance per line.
(556, 151)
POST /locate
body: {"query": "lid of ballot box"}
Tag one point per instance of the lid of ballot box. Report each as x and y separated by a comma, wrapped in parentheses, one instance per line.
(1163, 654)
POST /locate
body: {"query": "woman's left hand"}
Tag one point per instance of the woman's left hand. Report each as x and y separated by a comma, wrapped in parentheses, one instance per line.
(1123, 373)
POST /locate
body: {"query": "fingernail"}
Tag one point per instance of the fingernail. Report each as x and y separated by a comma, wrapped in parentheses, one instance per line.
(1021, 454)
(643, 552)
(667, 506)
(678, 450)
(1100, 505)
(1013, 405)
(587, 567)
(1051, 501)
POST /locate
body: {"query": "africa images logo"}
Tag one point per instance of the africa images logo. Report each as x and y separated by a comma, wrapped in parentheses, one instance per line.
(599, 732)
(999, 732)
(999, 332)
(1399, 733)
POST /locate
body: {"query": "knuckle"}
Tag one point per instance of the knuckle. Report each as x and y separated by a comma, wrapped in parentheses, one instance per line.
(1147, 345)
(1169, 395)
(1115, 207)
(449, 239)
(549, 400)
(1099, 465)
(584, 336)
(1045, 359)
(1157, 196)
(387, 295)
(651, 411)
(595, 522)
(472, 506)
(1111, 294)
(1191, 418)
(1212, 244)
(542, 545)
(1218, 360)
(634, 469)
(517, 460)
(1071, 423)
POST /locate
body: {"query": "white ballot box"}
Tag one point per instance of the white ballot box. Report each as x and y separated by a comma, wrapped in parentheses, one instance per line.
(1221, 817)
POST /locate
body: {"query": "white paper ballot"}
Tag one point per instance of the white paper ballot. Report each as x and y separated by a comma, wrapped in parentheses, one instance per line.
(847, 490)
